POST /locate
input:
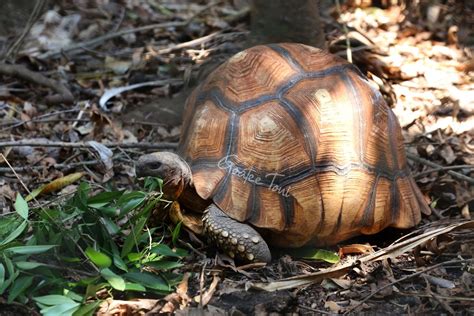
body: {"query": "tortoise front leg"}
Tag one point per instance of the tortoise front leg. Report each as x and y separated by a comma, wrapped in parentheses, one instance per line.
(237, 239)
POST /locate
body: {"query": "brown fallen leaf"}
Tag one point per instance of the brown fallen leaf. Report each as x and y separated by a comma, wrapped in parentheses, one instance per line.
(333, 306)
(355, 249)
(465, 212)
(207, 295)
(175, 301)
(342, 283)
(396, 249)
(130, 307)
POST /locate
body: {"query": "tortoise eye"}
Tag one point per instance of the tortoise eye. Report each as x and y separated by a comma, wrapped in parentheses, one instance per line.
(155, 165)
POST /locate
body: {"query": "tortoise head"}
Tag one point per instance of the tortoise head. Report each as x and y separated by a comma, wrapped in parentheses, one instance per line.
(171, 168)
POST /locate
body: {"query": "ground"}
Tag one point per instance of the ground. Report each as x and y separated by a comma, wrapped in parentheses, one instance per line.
(419, 56)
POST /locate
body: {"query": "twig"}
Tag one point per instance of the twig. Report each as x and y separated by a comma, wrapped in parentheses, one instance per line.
(346, 31)
(318, 311)
(444, 169)
(191, 43)
(454, 174)
(457, 261)
(106, 37)
(8, 124)
(95, 41)
(41, 143)
(55, 166)
(39, 117)
(201, 284)
(80, 272)
(35, 14)
(34, 120)
(64, 95)
(449, 298)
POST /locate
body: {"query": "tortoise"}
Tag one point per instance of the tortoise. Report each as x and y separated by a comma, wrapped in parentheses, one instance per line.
(288, 145)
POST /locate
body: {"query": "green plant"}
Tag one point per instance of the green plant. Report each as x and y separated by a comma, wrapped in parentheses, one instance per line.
(61, 256)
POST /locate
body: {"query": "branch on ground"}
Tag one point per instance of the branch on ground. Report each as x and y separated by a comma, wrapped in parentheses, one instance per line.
(63, 94)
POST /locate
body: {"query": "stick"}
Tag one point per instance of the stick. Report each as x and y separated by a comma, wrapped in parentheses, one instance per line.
(443, 169)
(406, 278)
(346, 31)
(35, 119)
(454, 174)
(19, 71)
(41, 143)
(191, 43)
(35, 14)
(109, 36)
(55, 166)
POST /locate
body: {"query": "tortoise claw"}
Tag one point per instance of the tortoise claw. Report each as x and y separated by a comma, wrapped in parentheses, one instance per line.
(237, 239)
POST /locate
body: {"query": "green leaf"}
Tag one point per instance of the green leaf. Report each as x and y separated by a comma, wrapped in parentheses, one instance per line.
(14, 234)
(176, 232)
(9, 264)
(118, 262)
(164, 265)
(109, 211)
(149, 280)
(132, 238)
(134, 287)
(12, 275)
(164, 250)
(31, 250)
(53, 299)
(105, 197)
(317, 254)
(130, 200)
(92, 288)
(21, 207)
(19, 286)
(80, 198)
(116, 281)
(134, 256)
(111, 227)
(28, 265)
(88, 309)
(66, 309)
(98, 258)
(2, 274)
(74, 296)
(151, 184)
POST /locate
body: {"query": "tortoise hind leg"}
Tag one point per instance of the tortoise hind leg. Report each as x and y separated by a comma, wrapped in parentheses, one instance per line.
(237, 239)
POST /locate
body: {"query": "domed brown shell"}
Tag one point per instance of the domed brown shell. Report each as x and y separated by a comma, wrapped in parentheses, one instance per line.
(295, 142)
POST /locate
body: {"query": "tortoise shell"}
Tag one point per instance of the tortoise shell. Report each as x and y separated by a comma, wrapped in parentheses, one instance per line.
(296, 142)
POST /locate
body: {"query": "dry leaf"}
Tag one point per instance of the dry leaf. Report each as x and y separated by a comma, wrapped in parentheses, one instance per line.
(55, 185)
(207, 295)
(439, 281)
(398, 248)
(333, 306)
(130, 307)
(355, 249)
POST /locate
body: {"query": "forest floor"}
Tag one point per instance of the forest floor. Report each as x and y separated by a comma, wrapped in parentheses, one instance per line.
(419, 58)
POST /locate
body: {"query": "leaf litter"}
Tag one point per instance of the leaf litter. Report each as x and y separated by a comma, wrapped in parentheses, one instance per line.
(143, 57)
